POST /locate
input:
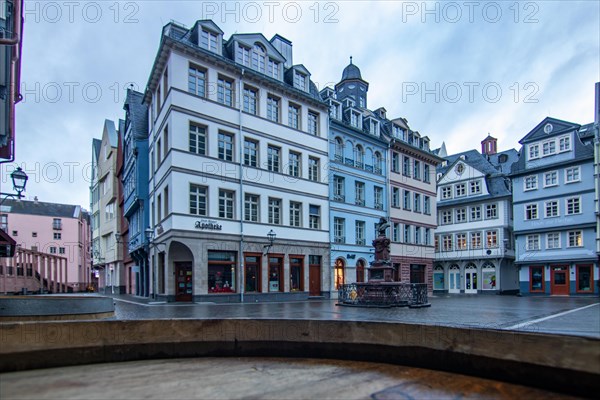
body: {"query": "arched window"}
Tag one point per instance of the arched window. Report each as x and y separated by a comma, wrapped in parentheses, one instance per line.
(360, 271)
(339, 273)
(377, 161)
(488, 276)
(258, 58)
(438, 278)
(359, 156)
(339, 149)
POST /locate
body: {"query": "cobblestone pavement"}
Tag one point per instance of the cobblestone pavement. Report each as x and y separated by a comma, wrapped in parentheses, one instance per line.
(556, 315)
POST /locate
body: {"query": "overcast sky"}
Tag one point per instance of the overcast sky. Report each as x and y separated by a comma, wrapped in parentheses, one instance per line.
(456, 70)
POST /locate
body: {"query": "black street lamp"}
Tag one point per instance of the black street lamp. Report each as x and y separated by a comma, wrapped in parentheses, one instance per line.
(19, 181)
(271, 236)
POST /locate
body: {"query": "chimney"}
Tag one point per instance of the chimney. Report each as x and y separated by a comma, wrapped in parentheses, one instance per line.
(489, 145)
(35, 200)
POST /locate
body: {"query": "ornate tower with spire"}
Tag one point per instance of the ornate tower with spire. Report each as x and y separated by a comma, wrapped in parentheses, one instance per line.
(352, 85)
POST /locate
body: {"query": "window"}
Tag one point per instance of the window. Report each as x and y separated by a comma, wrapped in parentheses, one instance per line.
(575, 239)
(417, 235)
(460, 189)
(109, 211)
(273, 158)
(395, 197)
(475, 187)
(294, 164)
(314, 216)
(395, 162)
(417, 203)
(295, 214)
(584, 278)
(208, 40)
(296, 274)
(339, 192)
(57, 236)
(405, 166)
(243, 54)
(534, 151)
(427, 205)
(491, 238)
(461, 241)
(537, 279)
(549, 148)
(475, 240)
(166, 199)
(476, 213)
(273, 69)
(274, 211)
(377, 161)
(198, 200)
(572, 175)
(407, 233)
(251, 205)
(417, 170)
(52, 250)
(406, 203)
(359, 156)
(250, 152)
(33, 234)
(573, 205)
(354, 119)
(446, 242)
(427, 238)
(491, 211)
(532, 242)
(551, 207)
(275, 274)
(461, 215)
(426, 173)
(313, 169)
(61, 250)
(313, 123)
(338, 230)
(197, 81)
(226, 204)
(530, 182)
(446, 192)
(299, 80)
(360, 233)
(531, 211)
(339, 150)
(272, 108)
(553, 240)
(396, 232)
(221, 271)
(158, 155)
(197, 139)
(250, 100)
(259, 58)
(294, 116)
(359, 188)
(550, 178)
(225, 91)
(253, 266)
(225, 146)
(446, 217)
(564, 143)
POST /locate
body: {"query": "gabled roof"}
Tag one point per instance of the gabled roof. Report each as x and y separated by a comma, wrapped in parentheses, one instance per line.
(249, 39)
(40, 208)
(557, 127)
(110, 132)
(137, 114)
(96, 145)
(208, 23)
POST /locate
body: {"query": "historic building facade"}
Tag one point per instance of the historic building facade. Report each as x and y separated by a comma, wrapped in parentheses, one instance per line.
(412, 205)
(136, 208)
(554, 219)
(107, 254)
(357, 176)
(238, 141)
(473, 244)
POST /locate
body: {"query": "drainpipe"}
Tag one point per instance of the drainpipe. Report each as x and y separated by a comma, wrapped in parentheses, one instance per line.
(241, 201)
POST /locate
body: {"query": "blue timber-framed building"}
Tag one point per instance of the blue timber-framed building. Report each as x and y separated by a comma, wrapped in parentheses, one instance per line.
(357, 176)
(135, 188)
(553, 200)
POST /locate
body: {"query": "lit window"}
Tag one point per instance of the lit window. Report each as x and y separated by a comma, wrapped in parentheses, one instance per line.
(575, 238)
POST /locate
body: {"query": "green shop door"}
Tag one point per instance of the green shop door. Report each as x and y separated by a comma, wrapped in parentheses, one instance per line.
(183, 281)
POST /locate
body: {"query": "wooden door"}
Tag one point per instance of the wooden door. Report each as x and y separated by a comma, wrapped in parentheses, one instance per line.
(184, 283)
(314, 280)
(559, 280)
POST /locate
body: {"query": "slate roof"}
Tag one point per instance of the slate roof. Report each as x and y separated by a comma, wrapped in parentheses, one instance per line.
(351, 72)
(96, 146)
(137, 114)
(41, 208)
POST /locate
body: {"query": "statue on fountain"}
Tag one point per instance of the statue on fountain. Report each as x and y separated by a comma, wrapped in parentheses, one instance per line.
(382, 243)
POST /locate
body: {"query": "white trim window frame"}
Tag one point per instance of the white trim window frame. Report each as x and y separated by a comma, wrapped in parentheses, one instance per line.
(530, 182)
(572, 174)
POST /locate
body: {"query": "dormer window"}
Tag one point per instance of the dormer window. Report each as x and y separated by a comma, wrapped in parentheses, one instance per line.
(334, 109)
(399, 133)
(299, 81)
(243, 55)
(208, 40)
(373, 127)
(354, 119)
(348, 102)
(259, 58)
(273, 68)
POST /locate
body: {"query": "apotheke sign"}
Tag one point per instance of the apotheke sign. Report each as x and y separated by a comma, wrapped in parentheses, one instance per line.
(206, 224)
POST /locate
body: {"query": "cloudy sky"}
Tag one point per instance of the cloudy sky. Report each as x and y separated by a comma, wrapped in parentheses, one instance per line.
(456, 70)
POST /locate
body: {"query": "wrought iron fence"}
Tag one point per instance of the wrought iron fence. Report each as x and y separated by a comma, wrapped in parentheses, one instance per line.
(392, 294)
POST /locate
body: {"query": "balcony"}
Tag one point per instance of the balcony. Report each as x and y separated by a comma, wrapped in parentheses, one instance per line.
(339, 239)
(349, 161)
(339, 197)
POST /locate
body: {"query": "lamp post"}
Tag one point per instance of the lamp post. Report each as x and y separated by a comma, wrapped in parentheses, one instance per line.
(150, 239)
(271, 237)
(19, 180)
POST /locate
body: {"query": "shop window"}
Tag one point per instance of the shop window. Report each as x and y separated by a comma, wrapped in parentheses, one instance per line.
(488, 273)
(296, 274)
(584, 279)
(221, 271)
(438, 278)
(417, 273)
(536, 279)
(252, 264)
(275, 274)
(339, 273)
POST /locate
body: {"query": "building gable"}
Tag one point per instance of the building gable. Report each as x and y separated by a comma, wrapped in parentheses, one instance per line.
(549, 127)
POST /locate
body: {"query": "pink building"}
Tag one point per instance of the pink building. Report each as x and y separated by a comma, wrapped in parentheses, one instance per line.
(56, 229)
